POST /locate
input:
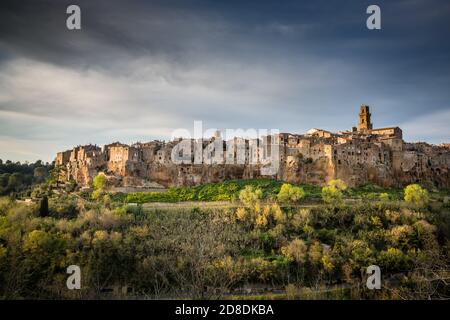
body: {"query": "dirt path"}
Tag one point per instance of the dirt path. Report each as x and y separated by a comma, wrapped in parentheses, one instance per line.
(203, 205)
(190, 205)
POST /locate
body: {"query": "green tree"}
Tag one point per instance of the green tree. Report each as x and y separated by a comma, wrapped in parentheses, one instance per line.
(100, 184)
(43, 207)
(333, 192)
(100, 181)
(416, 195)
(4, 179)
(290, 193)
(39, 174)
(15, 181)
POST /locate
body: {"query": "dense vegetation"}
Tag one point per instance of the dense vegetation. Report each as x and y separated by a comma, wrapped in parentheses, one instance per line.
(270, 241)
(16, 177)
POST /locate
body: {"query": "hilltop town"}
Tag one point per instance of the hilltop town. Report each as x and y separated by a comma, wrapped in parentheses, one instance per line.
(357, 156)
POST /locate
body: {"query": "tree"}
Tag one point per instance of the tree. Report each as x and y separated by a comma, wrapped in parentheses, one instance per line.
(327, 263)
(100, 181)
(416, 195)
(15, 181)
(249, 196)
(4, 179)
(39, 174)
(315, 252)
(43, 207)
(338, 184)
(290, 193)
(333, 192)
(100, 184)
(241, 214)
(296, 250)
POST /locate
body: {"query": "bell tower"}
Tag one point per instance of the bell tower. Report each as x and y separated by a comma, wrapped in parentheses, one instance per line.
(364, 119)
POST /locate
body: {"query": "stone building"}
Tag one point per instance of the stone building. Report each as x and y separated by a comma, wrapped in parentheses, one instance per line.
(358, 156)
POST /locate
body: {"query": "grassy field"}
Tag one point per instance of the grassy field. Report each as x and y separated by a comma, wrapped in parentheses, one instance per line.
(229, 191)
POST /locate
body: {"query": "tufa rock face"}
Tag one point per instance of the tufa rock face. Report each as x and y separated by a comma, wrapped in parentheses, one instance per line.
(358, 157)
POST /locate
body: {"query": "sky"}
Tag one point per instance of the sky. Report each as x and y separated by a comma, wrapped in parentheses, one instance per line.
(138, 70)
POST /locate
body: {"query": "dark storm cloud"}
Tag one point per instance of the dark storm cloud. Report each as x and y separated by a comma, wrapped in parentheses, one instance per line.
(175, 28)
(111, 29)
(138, 69)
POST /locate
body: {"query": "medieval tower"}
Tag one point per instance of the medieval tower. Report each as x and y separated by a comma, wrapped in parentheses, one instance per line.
(364, 119)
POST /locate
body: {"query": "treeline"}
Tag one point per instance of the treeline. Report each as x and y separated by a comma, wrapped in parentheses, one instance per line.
(16, 177)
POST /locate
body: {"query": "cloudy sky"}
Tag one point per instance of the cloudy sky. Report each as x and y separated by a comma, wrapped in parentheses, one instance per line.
(137, 70)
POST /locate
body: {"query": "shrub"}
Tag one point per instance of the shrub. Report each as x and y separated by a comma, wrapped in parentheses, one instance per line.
(290, 193)
(416, 195)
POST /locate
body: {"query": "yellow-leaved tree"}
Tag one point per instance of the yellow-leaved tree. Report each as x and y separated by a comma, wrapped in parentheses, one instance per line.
(289, 193)
(416, 195)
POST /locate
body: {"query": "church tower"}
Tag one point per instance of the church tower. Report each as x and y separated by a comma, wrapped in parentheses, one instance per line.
(364, 119)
